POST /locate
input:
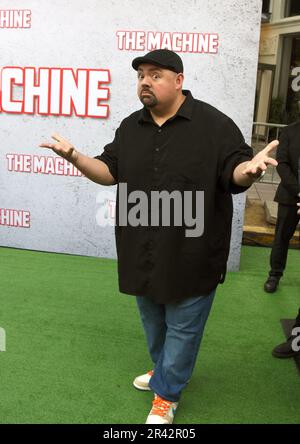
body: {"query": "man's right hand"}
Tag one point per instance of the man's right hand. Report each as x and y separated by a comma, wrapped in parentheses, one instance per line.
(62, 147)
(94, 169)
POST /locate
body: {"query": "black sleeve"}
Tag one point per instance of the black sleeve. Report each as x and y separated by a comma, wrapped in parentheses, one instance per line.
(110, 155)
(288, 178)
(233, 152)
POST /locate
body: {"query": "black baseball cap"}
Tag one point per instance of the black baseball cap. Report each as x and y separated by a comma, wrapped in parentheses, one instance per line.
(162, 57)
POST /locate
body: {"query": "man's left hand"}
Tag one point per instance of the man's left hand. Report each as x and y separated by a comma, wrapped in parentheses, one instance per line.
(260, 162)
(246, 173)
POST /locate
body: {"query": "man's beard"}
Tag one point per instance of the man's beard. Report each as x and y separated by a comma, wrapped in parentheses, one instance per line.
(148, 100)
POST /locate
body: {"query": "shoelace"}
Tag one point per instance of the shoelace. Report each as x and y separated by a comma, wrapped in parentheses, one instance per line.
(160, 406)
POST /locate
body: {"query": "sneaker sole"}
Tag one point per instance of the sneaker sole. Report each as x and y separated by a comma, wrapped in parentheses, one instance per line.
(145, 389)
(142, 388)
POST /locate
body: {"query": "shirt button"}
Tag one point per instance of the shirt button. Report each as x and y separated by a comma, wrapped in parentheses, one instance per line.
(156, 149)
(155, 169)
(160, 130)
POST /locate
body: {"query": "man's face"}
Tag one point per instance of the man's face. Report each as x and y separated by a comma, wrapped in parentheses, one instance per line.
(157, 86)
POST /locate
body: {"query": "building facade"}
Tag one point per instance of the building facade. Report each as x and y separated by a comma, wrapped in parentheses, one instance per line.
(278, 77)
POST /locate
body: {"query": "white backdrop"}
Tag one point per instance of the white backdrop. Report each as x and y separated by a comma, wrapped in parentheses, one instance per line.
(64, 213)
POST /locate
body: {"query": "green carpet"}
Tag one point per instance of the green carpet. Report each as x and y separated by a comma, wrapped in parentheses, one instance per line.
(74, 345)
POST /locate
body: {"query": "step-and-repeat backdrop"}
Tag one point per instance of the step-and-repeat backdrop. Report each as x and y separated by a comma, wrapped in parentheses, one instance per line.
(66, 67)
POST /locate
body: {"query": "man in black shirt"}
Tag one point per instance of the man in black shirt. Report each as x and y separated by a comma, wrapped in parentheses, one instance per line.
(174, 148)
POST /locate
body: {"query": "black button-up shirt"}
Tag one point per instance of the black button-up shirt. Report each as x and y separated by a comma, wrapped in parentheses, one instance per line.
(197, 149)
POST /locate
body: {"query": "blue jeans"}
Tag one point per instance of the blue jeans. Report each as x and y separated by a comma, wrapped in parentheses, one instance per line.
(174, 333)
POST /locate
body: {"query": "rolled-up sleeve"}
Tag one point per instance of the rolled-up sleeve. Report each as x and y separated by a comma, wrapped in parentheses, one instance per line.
(234, 151)
(110, 155)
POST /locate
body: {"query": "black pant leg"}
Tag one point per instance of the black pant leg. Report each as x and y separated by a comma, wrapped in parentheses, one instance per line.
(287, 220)
(297, 322)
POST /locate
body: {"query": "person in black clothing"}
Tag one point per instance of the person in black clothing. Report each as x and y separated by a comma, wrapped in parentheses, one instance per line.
(286, 349)
(175, 143)
(287, 196)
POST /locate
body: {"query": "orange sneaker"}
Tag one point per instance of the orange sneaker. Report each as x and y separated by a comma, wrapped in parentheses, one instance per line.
(162, 411)
(142, 382)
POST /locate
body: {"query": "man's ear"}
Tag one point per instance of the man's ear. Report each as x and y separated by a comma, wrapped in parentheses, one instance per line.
(179, 80)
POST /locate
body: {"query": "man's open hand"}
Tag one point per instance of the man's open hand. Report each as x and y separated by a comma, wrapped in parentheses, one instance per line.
(62, 147)
(260, 162)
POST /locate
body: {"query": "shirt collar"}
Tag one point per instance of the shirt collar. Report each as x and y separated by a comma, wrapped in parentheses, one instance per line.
(185, 110)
